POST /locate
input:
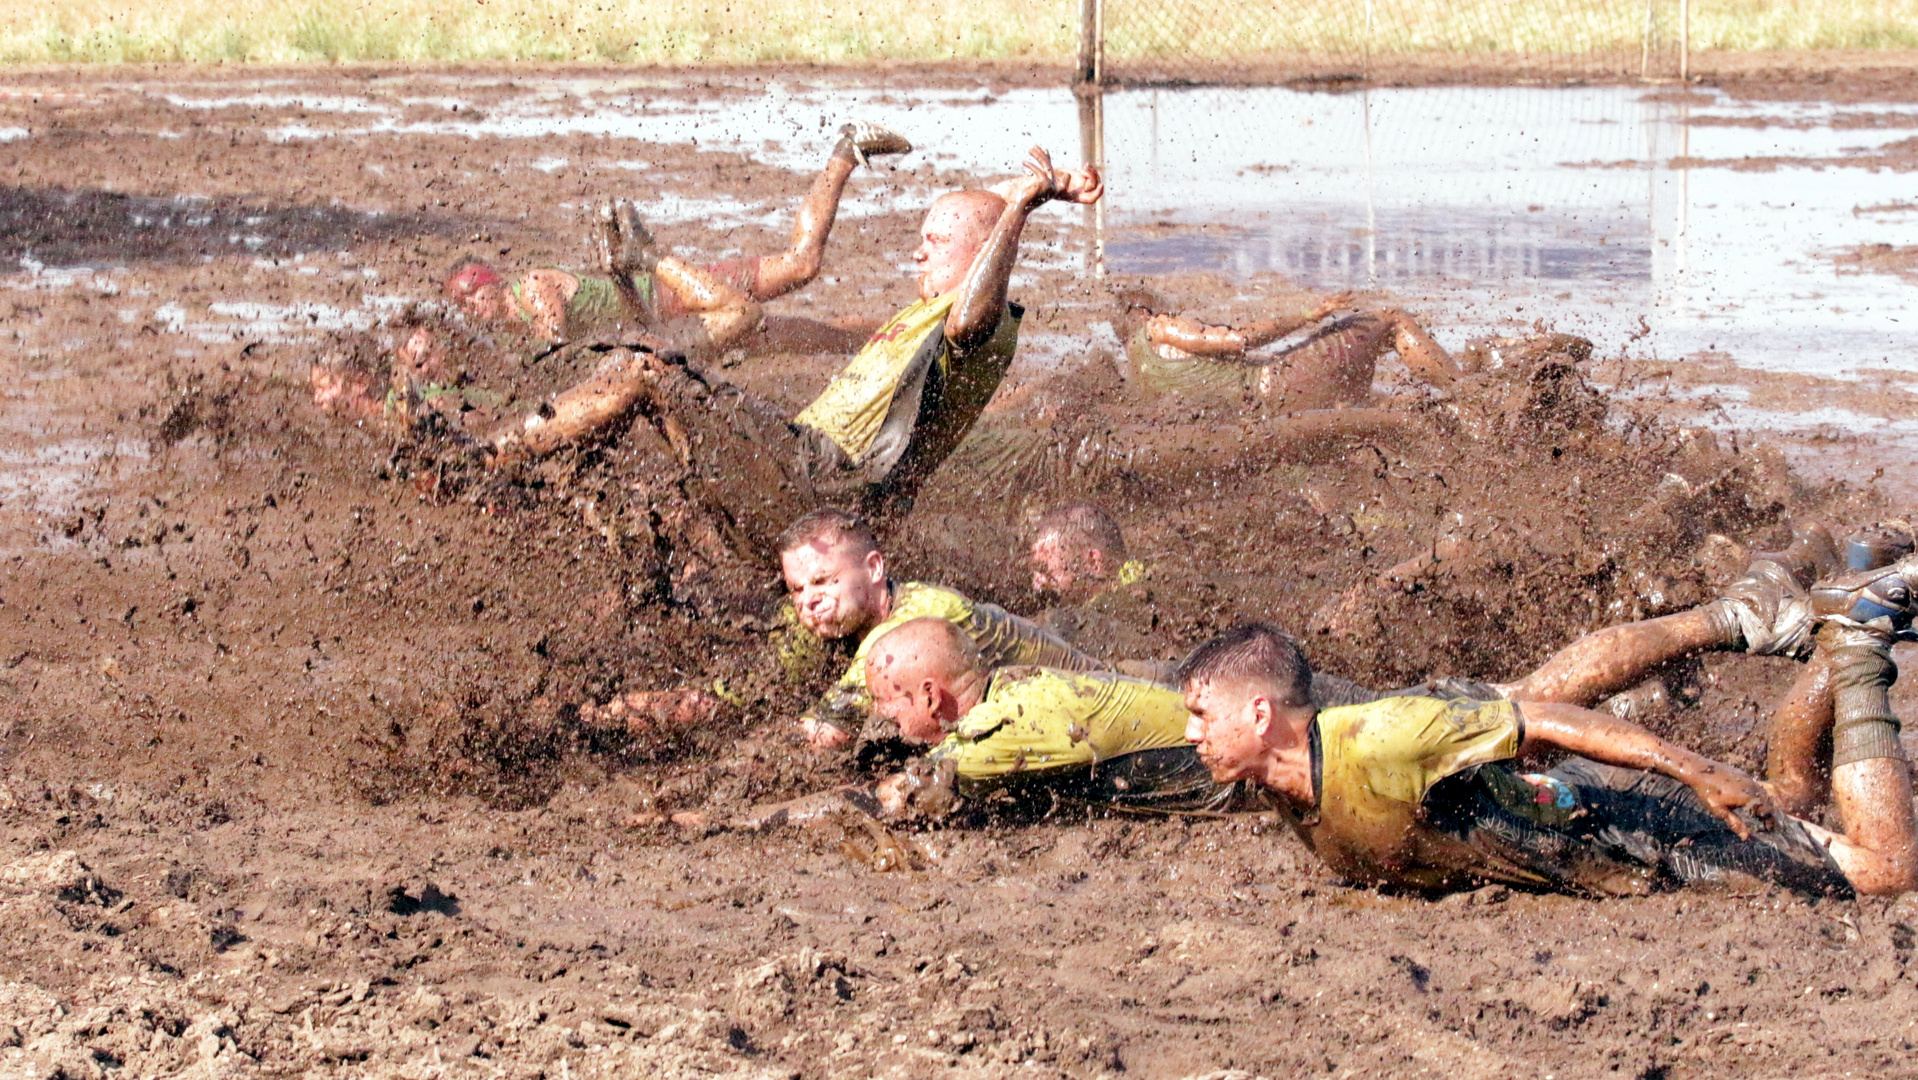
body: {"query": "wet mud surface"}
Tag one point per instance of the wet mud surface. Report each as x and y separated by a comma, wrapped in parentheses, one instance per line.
(294, 782)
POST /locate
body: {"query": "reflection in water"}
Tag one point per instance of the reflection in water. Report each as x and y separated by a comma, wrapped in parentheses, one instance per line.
(1406, 251)
(1492, 207)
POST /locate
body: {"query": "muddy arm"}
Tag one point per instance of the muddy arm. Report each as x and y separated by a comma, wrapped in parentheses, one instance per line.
(982, 299)
(1612, 741)
(543, 296)
(921, 789)
(1199, 339)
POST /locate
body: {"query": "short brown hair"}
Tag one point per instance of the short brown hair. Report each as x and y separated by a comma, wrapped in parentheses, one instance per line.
(828, 525)
(1254, 652)
(1083, 527)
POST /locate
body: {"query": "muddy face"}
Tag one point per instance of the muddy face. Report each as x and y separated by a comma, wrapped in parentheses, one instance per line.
(913, 705)
(422, 355)
(836, 590)
(1072, 576)
(487, 301)
(1224, 726)
(949, 239)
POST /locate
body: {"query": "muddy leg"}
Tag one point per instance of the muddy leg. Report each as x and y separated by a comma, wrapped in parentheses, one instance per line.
(1604, 662)
(1879, 851)
(782, 273)
(1870, 779)
(1798, 779)
(725, 313)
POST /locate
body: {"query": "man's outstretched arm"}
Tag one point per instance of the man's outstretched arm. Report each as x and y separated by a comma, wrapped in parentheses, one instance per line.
(982, 299)
(1612, 741)
(1192, 336)
(923, 788)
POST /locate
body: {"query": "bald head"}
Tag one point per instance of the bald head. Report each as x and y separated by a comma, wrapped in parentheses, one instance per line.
(922, 649)
(956, 227)
(924, 674)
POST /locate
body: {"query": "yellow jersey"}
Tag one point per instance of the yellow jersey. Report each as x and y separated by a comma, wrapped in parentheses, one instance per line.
(1002, 637)
(1374, 764)
(1038, 720)
(907, 396)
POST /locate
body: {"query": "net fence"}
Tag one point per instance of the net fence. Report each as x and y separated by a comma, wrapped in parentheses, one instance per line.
(1169, 42)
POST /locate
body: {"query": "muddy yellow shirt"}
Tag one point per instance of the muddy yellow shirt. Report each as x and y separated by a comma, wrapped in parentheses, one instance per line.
(909, 391)
(1002, 637)
(1037, 719)
(1374, 764)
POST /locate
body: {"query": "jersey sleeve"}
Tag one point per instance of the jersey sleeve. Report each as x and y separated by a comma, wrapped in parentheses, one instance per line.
(1414, 742)
(1005, 639)
(1467, 733)
(1031, 727)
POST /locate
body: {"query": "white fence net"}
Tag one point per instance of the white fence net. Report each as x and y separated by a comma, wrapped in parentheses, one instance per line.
(1134, 42)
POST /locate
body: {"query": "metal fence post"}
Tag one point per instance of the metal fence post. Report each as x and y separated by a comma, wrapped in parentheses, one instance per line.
(1685, 40)
(1091, 41)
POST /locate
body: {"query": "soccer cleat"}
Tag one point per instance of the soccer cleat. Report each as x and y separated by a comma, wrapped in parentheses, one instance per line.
(628, 244)
(1769, 603)
(1880, 601)
(872, 140)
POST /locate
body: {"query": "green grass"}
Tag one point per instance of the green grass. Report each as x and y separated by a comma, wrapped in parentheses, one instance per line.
(838, 31)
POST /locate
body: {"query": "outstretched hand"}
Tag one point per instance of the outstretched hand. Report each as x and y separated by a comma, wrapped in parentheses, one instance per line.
(1083, 187)
(1726, 790)
(1040, 184)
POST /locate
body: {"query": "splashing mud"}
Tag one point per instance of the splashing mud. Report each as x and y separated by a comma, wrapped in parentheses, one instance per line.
(292, 769)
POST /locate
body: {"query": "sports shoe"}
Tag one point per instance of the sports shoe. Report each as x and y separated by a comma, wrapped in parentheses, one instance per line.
(872, 140)
(1769, 605)
(631, 226)
(1879, 545)
(1881, 601)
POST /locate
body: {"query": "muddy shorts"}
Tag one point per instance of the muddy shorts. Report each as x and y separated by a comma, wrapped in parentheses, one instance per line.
(1589, 828)
(747, 459)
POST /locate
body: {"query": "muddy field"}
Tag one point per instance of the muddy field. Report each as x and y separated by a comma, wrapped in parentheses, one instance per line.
(293, 778)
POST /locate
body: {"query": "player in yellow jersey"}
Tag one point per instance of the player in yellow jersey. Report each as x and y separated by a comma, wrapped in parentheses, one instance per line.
(1092, 737)
(1170, 353)
(1429, 793)
(890, 416)
(840, 592)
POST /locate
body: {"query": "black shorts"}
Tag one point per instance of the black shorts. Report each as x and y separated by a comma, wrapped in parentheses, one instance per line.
(1604, 830)
(1171, 779)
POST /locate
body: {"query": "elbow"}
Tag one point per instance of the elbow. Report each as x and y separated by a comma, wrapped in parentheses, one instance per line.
(971, 330)
(1887, 881)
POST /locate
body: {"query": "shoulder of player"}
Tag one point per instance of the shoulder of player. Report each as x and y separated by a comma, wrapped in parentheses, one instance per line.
(918, 599)
(1391, 725)
(1013, 693)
